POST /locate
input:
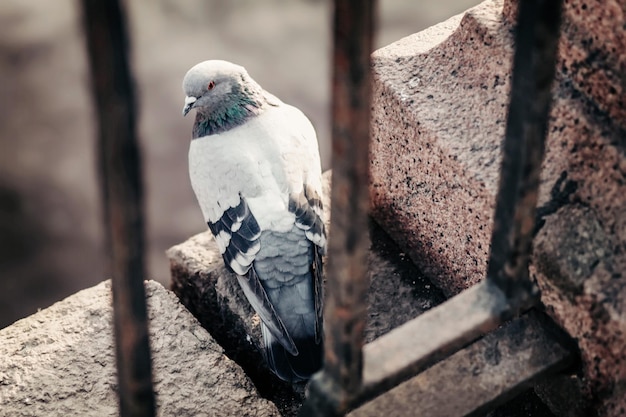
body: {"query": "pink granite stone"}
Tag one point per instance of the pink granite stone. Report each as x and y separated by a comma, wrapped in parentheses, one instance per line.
(439, 113)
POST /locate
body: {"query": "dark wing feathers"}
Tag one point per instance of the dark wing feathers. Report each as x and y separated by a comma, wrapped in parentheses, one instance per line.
(216, 227)
(249, 230)
(243, 244)
(240, 236)
(241, 241)
(308, 208)
(255, 293)
(316, 272)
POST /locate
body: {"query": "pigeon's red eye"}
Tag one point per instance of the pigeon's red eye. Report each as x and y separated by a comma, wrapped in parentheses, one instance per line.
(211, 85)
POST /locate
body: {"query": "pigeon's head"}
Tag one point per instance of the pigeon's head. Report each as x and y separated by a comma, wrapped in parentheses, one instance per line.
(218, 86)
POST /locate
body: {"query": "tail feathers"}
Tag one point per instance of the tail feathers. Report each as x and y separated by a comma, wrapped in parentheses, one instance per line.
(292, 368)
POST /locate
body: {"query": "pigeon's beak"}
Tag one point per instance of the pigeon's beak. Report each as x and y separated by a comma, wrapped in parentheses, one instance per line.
(189, 102)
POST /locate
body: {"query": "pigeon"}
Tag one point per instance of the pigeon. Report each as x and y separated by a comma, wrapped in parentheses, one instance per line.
(255, 169)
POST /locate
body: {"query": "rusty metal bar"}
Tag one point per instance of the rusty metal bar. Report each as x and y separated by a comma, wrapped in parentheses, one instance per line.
(420, 343)
(346, 303)
(536, 41)
(434, 335)
(444, 330)
(481, 376)
(122, 196)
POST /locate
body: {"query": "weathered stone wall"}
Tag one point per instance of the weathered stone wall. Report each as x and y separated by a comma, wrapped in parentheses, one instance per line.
(440, 101)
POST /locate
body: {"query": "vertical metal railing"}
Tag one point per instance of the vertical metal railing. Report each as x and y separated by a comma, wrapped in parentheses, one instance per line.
(351, 374)
(345, 313)
(122, 196)
(534, 63)
(506, 290)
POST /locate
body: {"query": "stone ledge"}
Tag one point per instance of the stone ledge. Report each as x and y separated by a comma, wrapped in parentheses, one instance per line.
(61, 361)
(439, 112)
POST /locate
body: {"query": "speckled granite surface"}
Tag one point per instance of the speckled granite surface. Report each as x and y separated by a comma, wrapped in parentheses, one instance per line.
(440, 101)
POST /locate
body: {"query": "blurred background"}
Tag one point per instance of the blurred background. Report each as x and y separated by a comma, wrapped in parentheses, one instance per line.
(50, 219)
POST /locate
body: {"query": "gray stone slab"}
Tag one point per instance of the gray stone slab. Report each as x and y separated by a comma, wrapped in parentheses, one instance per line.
(60, 361)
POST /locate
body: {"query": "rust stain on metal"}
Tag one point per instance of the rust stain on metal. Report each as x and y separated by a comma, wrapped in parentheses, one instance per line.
(345, 306)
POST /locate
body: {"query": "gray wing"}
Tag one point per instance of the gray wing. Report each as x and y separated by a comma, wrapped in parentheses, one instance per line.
(308, 209)
(239, 233)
